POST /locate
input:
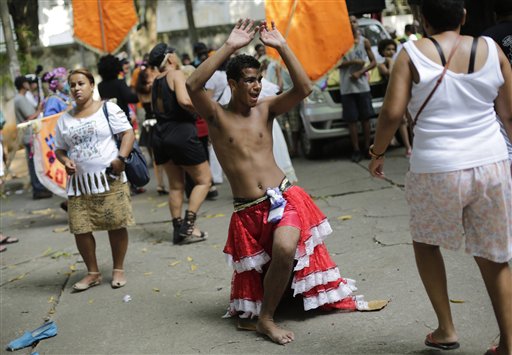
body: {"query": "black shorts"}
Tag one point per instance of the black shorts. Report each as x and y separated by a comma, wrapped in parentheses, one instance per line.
(177, 142)
(357, 106)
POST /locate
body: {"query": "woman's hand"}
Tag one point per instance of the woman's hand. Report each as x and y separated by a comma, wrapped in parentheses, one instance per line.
(117, 166)
(376, 167)
(70, 166)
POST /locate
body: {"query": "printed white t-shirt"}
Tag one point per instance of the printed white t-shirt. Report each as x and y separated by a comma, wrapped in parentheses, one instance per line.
(90, 145)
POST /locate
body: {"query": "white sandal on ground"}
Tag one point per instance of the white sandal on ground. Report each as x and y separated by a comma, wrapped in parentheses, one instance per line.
(82, 286)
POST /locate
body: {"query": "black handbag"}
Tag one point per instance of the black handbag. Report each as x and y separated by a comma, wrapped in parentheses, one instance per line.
(136, 168)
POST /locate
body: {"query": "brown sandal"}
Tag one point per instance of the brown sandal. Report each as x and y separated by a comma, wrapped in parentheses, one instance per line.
(187, 229)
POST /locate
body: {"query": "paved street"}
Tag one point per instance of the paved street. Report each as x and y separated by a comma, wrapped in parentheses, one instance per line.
(179, 293)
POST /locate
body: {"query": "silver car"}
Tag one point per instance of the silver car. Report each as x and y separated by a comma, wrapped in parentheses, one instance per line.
(321, 111)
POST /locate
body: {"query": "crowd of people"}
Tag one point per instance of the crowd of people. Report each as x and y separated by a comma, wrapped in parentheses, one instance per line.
(224, 106)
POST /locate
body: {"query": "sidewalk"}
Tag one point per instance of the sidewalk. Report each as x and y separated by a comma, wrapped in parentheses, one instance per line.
(179, 293)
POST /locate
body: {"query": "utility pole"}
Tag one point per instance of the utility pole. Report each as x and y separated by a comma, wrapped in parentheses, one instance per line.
(14, 65)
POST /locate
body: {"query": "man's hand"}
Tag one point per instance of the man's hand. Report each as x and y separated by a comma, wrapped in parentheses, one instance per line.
(355, 75)
(272, 38)
(70, 167)
(242, 34)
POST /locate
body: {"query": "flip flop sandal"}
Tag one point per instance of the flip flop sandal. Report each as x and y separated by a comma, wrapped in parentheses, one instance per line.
(492, 351)
(3, 248)
(9, 240)
(429, 341)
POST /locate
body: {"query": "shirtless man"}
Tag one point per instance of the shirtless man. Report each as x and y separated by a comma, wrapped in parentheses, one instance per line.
(241, 133)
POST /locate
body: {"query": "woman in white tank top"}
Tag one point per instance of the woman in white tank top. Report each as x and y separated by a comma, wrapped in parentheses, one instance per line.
(459, 187)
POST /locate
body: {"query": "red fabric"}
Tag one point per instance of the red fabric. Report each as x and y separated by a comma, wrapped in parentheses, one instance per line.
(249, 245)
(202, 127)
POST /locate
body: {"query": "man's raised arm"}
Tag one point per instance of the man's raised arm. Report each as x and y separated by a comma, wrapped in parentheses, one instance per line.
(240, 36)
(302, 86)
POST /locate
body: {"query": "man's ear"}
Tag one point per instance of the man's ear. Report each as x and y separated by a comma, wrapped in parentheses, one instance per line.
(463, 22)
(232, 83)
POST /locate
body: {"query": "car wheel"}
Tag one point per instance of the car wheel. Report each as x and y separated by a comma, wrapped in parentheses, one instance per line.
(310, 148)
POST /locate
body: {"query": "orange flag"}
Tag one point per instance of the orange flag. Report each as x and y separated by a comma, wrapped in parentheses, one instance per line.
(103, 25)
(50, 172)
(318, 31)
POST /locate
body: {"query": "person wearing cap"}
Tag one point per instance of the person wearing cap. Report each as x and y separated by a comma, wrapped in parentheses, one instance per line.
(26, 112)
(176, 145)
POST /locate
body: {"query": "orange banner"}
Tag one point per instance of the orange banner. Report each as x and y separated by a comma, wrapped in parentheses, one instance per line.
(103, 25)
(50, 172)
(318, 31)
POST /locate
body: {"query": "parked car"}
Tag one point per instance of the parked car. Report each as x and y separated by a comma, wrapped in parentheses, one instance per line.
(321, 111)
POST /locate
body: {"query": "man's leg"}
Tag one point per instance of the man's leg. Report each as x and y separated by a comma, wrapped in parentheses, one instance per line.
(353, 128)
(498, 281)
(276, 281)
(366, 134)
(37, 187)
(432, 272)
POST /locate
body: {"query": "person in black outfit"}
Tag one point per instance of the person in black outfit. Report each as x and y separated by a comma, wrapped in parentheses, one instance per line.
(175, 143)
(111, 87)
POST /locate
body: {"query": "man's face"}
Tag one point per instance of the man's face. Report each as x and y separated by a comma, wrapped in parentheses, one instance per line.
(354, 24)
(249, 86)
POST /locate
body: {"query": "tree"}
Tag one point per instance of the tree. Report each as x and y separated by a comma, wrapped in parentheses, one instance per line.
(25, 18)
(14, 65)
(142, 40)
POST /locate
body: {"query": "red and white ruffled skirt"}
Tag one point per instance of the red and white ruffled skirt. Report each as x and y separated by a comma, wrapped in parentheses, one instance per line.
(315, 276)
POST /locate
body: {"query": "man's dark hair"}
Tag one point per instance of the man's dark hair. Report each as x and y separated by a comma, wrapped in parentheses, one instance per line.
(383, 44)
(19, 81)
(238, 63)
(109, 67)
(503, 7)
(443, 15)
(409, 28)
(200, 48)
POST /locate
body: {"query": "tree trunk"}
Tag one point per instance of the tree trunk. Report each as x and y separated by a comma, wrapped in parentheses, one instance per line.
(26, 26)
(192, 32)
(14, 65)
(142, 40)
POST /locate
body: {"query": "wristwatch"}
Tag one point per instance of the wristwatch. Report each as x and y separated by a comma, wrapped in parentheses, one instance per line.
(123, 159)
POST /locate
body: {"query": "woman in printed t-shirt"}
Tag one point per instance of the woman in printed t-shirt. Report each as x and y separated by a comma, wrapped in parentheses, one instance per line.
(98, 193)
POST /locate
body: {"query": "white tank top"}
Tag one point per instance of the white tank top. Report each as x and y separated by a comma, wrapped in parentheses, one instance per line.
(458, 128)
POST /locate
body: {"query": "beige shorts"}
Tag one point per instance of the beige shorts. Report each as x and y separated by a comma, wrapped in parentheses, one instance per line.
(475, 204)
(110, 210)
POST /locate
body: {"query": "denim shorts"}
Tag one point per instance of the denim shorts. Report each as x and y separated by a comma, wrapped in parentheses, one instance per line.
(357, 106)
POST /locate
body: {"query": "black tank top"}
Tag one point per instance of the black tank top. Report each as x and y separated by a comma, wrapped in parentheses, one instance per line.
(165, 104)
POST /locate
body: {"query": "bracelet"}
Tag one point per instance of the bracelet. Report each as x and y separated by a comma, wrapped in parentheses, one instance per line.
(374, 155)
(123, 159)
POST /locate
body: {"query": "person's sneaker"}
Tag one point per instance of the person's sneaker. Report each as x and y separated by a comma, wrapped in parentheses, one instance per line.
(356, 156)
(42, 194)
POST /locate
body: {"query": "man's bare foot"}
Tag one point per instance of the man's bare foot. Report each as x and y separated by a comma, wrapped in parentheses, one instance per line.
(276, 334)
